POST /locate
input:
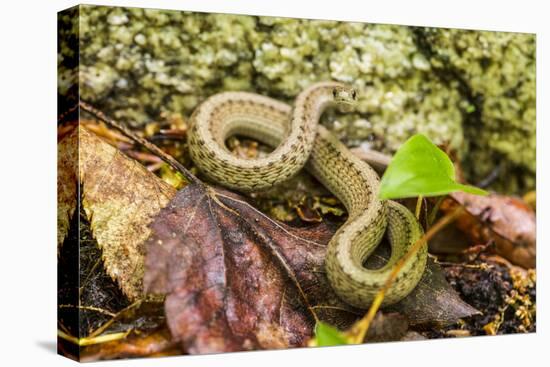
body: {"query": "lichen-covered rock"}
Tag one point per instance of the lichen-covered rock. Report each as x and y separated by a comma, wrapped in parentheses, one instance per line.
(138, 63)
(499, 70)
(67, 57)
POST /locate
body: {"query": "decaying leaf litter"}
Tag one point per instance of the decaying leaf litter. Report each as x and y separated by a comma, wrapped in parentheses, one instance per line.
(299, 296)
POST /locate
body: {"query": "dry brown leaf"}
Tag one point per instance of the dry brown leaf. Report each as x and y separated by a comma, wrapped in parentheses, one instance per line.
(506, 220)
(67, 183)
(120, 198)
(433, 302)
(237, 280)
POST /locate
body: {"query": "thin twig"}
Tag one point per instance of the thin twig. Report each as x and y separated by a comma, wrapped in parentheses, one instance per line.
(143, 142)
(92, 340)
(115, 317)
(482, 266)
(155, 166)
(418, 206)
(89, 308)
(327, 307)
(358, 331)
(66, 113)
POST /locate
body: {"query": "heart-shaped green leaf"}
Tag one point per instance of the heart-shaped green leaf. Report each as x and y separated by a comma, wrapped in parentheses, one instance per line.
(421, 168)
(326, 335)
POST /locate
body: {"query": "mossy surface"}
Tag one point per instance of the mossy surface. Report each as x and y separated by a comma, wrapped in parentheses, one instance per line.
(473, 91)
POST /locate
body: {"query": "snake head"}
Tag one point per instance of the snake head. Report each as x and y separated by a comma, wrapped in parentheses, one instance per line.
(345, 97)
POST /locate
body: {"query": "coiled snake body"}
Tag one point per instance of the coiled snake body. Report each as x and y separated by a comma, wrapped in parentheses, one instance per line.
(299, 141)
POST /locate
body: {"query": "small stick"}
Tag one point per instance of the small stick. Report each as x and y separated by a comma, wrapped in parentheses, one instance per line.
(154, 167)
(358, 331)
(89, 308)
(115, 317)
(82, 342)
(418, 206)
(142, 156)
(149, 146)
(66, 113)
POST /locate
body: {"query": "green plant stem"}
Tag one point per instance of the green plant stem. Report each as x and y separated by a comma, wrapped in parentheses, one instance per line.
(418, 206)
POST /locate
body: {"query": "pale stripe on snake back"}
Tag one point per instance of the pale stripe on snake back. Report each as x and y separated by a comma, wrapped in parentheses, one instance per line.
(299, 139)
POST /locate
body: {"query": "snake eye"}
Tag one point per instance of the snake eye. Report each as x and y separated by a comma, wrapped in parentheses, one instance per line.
(353, 94)
(334, 93)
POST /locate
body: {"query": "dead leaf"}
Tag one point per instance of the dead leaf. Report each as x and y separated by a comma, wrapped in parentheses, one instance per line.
(235, 279)
(450, 240)
(234, 276)
(506, 220)
(120, 198)
(67, 183)
(307, 213)
(433, 302)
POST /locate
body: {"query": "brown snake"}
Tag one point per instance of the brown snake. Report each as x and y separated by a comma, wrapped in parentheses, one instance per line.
(299, 140)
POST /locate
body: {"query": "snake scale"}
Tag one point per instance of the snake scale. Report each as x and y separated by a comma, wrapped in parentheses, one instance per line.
(299, 140)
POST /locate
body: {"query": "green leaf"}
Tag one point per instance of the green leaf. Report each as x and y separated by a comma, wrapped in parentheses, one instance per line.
(421, 168)
(326, 335)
